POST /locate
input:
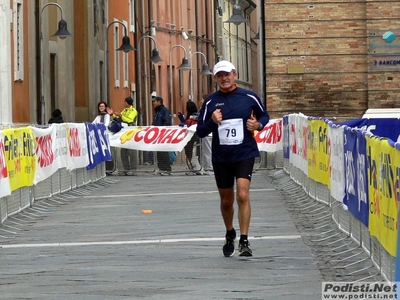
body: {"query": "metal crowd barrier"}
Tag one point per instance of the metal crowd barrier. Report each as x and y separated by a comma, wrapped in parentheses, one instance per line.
(346, 222)
(60, 182)
(147, 162)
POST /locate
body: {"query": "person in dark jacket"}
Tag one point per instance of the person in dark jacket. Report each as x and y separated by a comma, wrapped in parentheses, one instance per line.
(56, 117)
(232, 114)
(162, 117)
(191, 119)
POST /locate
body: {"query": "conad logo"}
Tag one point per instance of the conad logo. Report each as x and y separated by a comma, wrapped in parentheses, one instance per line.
(389, 36)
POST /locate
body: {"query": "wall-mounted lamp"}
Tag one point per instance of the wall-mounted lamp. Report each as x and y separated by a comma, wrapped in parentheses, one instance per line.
(155, 58)
(205, 70)
(237, 17)
(125, 47)
(184, 67)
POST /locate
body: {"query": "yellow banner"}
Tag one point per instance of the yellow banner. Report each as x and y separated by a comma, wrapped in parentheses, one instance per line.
(19, 146)
(318, 156)
(383, 177)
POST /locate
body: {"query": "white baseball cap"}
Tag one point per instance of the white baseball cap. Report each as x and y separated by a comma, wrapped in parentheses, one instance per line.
(223, 66)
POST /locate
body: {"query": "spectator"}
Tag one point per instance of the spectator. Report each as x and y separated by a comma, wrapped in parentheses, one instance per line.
(191, 119)
(128, 156)
(205, 160)
(56, 117)
(103, 116)
(162, 117)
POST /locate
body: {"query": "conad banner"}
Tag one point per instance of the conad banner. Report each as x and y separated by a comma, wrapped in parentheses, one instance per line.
(384, 176)
(153, 138)
(19, 148)
(356, 174)
(4, 180)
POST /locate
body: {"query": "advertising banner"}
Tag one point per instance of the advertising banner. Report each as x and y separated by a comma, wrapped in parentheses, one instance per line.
(4, 180)
(19, 148)
(153, 138)
(318, 158)
(336, 157)
(385, 127)
(286, 133)
(383, 174)
(98, 144)
(77, 152)
(46, 164)
(269, 139)
(356, 174)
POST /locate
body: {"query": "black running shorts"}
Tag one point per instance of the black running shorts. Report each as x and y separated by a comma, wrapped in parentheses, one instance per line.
(226, 172)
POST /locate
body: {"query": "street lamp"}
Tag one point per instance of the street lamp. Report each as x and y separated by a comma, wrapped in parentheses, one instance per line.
(155, 58)
(125, 47)
(205, 71)
(62, 33)
(184, 67)
(237, 17)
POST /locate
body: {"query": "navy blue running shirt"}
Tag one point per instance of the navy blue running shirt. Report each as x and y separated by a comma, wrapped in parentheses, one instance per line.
(235, 105)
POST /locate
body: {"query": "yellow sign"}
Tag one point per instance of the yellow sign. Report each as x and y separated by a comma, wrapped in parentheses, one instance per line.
(19, 148)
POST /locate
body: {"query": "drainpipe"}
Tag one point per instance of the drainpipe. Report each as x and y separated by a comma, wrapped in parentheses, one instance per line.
(38, 64)
(263, 86)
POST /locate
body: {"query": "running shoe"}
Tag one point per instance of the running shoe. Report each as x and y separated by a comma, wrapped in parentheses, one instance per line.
(229, 248)
(244, 249)
(165, 173)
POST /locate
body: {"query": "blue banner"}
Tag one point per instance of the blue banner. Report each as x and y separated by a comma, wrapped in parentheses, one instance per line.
(356, 174)
(286, 131)
(98, 144)
(389, 128)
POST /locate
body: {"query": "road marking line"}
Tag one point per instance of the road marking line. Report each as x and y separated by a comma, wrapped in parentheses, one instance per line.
(164, 194)
(159, 241)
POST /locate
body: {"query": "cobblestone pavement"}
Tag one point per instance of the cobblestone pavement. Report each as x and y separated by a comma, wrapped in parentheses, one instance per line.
(160, 237)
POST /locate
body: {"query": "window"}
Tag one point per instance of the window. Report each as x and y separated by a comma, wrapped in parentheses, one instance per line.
(18, 30)
(132, 16)
(116, 54)
(125, 63)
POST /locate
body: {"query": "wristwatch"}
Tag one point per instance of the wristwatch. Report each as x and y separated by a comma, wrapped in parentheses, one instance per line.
(260, 127)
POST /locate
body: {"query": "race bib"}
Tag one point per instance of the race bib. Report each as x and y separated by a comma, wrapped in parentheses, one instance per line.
(231, 132)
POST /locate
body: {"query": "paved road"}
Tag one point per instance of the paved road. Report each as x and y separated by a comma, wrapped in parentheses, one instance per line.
(95, 243)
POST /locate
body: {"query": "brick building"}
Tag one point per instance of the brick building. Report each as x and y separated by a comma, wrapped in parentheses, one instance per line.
(331, 58)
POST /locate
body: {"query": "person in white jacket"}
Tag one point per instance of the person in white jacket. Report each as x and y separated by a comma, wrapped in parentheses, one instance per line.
(103, 116)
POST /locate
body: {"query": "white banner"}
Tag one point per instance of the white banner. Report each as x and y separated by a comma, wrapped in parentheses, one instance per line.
(153, 138)
(77, 153)
(298, 136)
(51, 150)
(5, 189)
(269, 139)
(337, 183)
(46, 164)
